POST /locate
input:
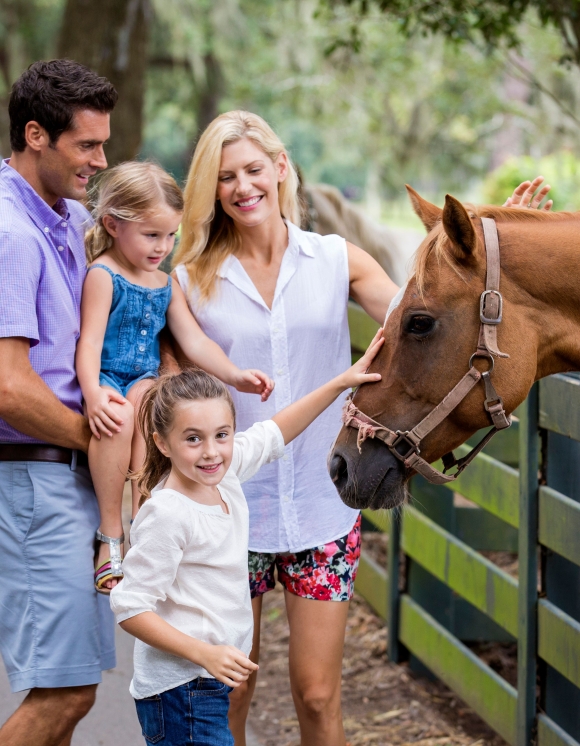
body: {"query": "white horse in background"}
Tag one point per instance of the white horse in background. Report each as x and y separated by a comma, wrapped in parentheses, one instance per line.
(331, 212)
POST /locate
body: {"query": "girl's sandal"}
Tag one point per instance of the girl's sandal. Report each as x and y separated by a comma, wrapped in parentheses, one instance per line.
(111, 568)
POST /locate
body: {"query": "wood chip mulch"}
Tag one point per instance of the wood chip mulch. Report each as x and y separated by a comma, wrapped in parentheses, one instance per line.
(383, 703)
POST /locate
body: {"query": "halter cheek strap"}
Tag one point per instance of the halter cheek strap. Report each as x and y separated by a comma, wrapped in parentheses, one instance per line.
(405, 445)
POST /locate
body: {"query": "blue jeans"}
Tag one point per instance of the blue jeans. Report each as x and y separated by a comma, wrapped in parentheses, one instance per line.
(193, 713)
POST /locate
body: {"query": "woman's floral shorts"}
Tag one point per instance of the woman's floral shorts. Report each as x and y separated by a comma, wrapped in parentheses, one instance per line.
(324, 573)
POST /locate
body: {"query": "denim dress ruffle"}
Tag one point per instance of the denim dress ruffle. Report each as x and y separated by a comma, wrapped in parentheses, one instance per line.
(131, 344)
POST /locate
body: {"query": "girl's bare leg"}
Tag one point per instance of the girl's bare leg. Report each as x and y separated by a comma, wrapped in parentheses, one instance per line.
(241, 697)
(134, 395)
(317, 630)
(109, 463)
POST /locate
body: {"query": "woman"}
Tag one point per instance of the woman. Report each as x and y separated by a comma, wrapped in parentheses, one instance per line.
(275, 296)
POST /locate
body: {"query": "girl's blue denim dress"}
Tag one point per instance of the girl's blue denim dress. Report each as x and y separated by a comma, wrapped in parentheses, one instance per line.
(131, 345)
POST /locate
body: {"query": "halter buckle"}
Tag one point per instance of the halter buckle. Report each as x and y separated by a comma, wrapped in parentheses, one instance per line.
(482, 317)
(404, 438)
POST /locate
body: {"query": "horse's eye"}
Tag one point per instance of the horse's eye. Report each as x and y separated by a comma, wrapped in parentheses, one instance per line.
(420, 325)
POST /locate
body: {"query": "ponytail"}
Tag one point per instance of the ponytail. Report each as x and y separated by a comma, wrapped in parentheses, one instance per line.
(97, 240)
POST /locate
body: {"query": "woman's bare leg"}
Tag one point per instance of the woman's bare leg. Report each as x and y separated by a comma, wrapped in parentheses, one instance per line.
(317, 630)
(241, 697)
(109, 463)
(135, 395)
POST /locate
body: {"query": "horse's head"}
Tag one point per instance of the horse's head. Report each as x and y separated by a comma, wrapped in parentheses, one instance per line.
(429, 339)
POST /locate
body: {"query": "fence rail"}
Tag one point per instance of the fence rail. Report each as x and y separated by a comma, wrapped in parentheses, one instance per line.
(524, 492)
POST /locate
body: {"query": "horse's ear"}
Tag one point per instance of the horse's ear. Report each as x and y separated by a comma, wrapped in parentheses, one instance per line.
(428, 213)
(459, 228)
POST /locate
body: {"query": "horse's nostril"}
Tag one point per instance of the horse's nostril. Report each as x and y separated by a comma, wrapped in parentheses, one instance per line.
(338, 471)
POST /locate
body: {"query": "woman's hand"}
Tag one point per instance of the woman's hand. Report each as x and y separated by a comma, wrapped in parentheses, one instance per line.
(102, 417)
(525, 199)
(357, 374)
(253, 382)
(227, 664)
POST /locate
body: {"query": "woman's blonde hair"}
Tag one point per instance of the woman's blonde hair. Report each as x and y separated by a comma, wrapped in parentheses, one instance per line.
(129, 191)
(208, 235)
(157, 412)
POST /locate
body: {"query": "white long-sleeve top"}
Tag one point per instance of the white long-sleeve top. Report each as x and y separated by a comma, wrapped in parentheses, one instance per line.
(188, 563)
(302, 342)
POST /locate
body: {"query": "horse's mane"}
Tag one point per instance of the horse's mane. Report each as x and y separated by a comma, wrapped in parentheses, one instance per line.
(500, 214)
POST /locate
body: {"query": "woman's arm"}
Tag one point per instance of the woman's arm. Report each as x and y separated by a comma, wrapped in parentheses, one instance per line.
(370, 286)
(294, 419)
(224, 662)
(95, 308)
(203, 351)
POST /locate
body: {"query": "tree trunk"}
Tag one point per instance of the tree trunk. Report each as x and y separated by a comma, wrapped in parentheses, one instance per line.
(110, 37)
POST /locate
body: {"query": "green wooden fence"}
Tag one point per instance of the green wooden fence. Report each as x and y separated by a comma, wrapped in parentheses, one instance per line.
(524, 494)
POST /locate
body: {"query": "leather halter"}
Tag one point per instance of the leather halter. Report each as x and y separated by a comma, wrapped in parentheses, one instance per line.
(405, 445)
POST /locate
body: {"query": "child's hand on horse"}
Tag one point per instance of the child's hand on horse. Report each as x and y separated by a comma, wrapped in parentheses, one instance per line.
(357, 374)
(254, 382)
(227, 664)
(525, 198)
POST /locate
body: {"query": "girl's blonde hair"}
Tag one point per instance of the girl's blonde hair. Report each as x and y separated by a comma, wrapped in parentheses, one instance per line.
(157, 412)
(208, 235)
(129, 191)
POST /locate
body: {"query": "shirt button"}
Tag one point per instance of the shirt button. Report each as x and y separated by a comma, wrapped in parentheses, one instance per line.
(143, 332)
(46, 229)
(149, 296)
(61, 248)
(280, 371)
(284, 457)
(141, 349)
(147, 315)
(286, 499)
(137, 367)
(64, 225)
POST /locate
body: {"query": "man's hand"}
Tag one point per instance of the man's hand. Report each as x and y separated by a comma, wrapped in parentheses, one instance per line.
(528, 195)
(254, 382)
(103, 418)
(227, 664)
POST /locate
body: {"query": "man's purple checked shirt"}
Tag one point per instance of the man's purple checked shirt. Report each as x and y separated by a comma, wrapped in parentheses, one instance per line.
(42, 269)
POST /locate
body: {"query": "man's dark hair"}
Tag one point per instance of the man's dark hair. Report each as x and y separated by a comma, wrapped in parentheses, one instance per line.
(50, 93)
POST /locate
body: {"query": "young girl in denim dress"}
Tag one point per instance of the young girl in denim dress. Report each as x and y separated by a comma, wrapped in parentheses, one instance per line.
(127, 300)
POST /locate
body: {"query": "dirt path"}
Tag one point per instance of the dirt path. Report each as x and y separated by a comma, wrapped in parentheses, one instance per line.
(383, 703)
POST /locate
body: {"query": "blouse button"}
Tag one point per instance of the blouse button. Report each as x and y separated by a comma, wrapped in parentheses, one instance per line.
(149, 296)
(143, 332)
(147, 315)
(137, 367)
(141, 349)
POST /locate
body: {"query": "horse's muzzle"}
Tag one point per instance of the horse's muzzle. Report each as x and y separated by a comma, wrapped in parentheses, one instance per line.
(372, 479)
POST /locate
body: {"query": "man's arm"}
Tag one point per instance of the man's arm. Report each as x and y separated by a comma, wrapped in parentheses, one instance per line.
(28, 404)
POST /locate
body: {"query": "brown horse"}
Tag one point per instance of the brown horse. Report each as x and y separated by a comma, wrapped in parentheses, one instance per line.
(431, 335)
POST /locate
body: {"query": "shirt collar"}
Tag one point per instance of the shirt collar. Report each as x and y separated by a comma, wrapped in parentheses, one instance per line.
(299, 238)
(40, 212)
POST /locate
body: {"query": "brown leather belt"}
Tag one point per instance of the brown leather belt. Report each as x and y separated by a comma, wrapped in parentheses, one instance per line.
(34, 452)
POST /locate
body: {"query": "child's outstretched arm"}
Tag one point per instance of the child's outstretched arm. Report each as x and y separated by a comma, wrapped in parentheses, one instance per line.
(294, 419)
(224, 662)
(203, 351)
(95, 308)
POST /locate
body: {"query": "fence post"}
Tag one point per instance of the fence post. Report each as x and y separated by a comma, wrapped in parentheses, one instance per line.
(393, 644)
(528, 568)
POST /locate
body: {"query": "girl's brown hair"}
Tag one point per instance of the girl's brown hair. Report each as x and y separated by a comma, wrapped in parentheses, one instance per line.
(129, 191)
(156, 415)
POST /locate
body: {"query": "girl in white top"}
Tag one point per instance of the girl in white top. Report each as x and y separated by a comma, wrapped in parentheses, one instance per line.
(185, 593)
(275, 296)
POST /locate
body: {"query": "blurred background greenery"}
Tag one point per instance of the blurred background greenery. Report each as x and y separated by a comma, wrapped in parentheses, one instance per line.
(367, 96)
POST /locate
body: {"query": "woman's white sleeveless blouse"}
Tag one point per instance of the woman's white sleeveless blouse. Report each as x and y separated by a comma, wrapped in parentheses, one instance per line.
(302, 343)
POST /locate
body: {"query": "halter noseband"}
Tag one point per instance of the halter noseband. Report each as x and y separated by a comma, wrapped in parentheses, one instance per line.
(405, 445)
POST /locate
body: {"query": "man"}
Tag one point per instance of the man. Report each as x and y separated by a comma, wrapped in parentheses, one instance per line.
(56, 634)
